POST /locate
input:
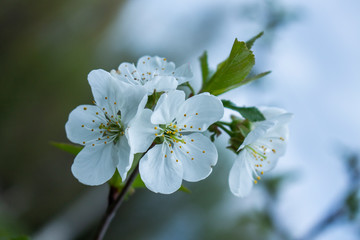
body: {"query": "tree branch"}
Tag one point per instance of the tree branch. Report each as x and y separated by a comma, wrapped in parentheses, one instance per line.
(114, 205)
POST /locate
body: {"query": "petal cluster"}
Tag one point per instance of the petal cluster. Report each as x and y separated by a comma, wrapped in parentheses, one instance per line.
(102, 129)
(153, 73)
(184, 152)
(260, 151)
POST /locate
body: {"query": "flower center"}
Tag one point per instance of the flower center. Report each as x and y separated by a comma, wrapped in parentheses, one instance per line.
(260, 155)
(256, 153)
(169, 133)
(112, 130)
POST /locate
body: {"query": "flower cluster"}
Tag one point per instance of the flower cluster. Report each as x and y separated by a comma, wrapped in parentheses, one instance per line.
(139, 109)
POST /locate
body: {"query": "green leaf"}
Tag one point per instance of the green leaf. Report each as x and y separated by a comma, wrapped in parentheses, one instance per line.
(184, 189)
(204, 67)
(67, 147)
(255, 77)
(251, 113)
(251, 41)
(232, 72)
(353, 204)
(116, 180)
(138, 183)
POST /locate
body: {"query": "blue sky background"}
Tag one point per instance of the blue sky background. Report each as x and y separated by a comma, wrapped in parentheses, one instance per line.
(314, 61)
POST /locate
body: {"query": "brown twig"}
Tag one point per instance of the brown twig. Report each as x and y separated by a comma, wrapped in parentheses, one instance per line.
(115, 200)
(114, 205)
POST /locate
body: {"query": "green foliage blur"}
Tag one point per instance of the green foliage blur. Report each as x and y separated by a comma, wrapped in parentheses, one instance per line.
(47, 48)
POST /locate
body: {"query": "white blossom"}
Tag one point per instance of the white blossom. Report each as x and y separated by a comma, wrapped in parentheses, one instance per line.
(101, 128)
(260, 150)
(185, 152)
(153, 73)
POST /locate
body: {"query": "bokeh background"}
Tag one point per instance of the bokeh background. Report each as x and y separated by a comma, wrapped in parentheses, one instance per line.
(47, 48)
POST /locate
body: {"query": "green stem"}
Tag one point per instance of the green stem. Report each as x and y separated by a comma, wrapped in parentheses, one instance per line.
(224, 128)
(191, 89)
(224, 123)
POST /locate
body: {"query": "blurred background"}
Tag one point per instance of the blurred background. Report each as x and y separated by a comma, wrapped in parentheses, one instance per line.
(47, 48)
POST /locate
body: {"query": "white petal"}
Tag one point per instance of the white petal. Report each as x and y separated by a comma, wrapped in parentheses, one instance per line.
(159, 173)
(283, 120)
(240, 178)
(125, 157)
(104, 89)
(271, 112)
(167, 107)
(142, 105)
(268, 158)
(275, 142)
(199, 112)
(127, 72)
(156, 64)
(197, 156)
(258, 132)
(114, 95)
(94, 165)
(141, 132)
(160, 84)
(183, 73)
(130, 98)
(83, 124)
